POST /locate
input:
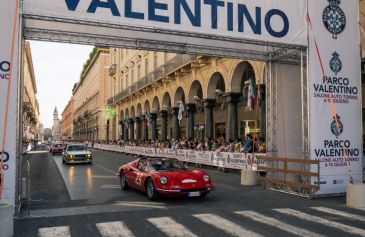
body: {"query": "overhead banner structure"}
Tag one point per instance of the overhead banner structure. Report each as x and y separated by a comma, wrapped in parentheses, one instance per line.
(274, 21)
(9, 38)
(335, 93)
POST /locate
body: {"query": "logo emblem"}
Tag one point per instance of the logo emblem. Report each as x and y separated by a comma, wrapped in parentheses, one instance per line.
(4, 66)
(336, 63)
(334, 18)
(337, 130)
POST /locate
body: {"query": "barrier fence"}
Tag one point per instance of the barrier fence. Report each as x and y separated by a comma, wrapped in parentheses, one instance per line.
(295, 180)
(227, 160)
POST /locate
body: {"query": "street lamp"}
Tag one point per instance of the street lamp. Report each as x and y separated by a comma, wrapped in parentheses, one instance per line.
(199, 103)
(220, 100)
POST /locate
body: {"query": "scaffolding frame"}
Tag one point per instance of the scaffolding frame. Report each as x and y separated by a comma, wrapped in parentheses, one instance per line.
(43, 28)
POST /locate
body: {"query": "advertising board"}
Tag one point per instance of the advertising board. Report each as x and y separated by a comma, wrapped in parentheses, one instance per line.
(335, 93)
(276, 21)
(9, 44)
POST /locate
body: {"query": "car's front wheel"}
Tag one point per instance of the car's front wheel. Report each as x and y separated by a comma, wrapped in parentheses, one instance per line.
(151, 190)
(123, 181)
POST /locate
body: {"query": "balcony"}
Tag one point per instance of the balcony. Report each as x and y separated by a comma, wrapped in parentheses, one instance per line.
(87, 114)
(181, 63)
(112, 70)
(110, 101)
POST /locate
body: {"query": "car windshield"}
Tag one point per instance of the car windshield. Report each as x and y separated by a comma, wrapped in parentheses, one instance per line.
(166, 164)
(76, 148)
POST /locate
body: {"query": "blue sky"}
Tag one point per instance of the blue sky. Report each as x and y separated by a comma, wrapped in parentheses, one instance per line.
(57, 67)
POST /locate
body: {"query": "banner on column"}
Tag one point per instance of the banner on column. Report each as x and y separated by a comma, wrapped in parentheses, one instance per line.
(9, 39)
(334, 74)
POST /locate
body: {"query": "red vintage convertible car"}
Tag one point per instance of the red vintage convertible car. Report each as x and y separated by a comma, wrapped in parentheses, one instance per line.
(165, 177)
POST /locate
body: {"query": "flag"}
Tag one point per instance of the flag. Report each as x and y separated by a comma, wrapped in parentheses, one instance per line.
(147, 117)
(181, 111)
(126, 122)
(251, 96)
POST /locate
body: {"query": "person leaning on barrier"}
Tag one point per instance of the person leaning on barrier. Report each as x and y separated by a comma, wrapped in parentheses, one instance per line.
(261, 145)
(237, 146)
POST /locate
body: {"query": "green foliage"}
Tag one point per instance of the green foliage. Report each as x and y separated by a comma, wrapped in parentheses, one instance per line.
(88, 61)
(84, 68)
(109, 112)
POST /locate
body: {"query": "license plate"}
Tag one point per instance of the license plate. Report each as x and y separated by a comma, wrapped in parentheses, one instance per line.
(194, 194)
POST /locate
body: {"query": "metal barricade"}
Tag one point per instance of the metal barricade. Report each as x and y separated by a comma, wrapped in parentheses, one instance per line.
(279, 177)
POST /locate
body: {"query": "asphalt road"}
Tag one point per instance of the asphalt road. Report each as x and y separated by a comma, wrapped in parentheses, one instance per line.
(85, 200)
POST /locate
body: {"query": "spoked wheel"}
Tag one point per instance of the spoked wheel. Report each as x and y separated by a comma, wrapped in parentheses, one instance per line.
(151, 191)
(123, 181)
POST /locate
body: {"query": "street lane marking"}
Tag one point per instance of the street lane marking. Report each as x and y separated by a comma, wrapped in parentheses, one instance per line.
(110, 186)
(142, 204)
(37, 152)
(170, 227)
(278, 224)
(114, 229)
(321, 220)
(106, 169)
(104, 177)
(339, 213)
(226, 225)
(61, 231)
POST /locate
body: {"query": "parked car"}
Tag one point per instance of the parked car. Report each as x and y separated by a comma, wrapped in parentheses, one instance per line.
(76, 153)
(57, 148)
(164, 177)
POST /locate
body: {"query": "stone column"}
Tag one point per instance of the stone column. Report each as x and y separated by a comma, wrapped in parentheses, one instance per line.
(232, 100)
(145, 128)
(121, 136)
(263, 113)
(138, 121)
(209, 120)
(125, 134)
(164, 115)
(190, 109)
(176, 125)
(131, 129)
(154, 125)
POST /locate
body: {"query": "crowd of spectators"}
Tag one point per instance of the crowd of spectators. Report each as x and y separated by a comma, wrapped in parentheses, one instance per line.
(248, 145)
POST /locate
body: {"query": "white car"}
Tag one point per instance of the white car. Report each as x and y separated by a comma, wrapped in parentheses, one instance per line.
(76, 153)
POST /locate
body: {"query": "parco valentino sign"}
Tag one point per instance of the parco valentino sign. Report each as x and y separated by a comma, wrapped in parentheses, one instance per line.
(279, 21)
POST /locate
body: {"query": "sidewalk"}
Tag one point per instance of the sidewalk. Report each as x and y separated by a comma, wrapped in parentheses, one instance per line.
(47, 184)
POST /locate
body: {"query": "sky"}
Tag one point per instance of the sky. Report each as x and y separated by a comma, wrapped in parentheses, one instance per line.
(57, 68)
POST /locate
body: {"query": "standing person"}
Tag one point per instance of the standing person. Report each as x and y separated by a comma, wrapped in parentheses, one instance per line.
(237, 146)
(248, 144)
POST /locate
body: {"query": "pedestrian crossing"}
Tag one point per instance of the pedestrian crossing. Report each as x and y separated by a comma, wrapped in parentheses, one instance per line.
(277, 223)
(237, 223)
(322, 221)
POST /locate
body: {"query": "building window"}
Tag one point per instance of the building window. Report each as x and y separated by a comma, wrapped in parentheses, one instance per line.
(146, 66)
(127, 79)
(132, 76)
(199, 132)
(220, 130)
(155, 61)
(138, 71)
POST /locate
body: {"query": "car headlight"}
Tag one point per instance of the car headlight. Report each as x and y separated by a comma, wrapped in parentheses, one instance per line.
(206, 178)
(163, 180)
(89, 156)
(71, 156)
